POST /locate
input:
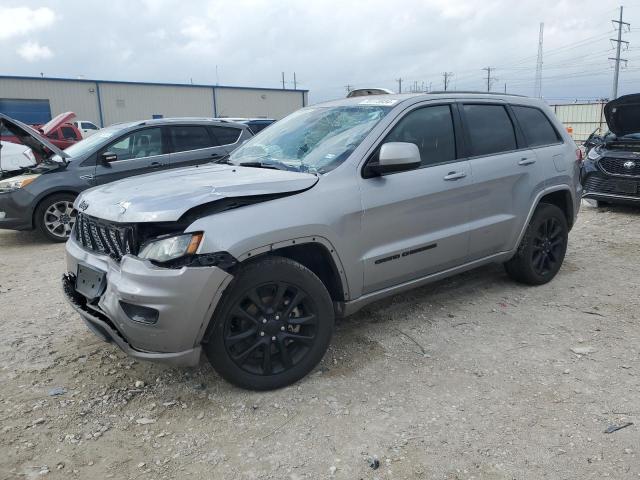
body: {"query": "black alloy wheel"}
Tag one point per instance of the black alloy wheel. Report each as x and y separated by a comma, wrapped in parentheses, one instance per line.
(542, 248)
(548, 246)
(272, 326)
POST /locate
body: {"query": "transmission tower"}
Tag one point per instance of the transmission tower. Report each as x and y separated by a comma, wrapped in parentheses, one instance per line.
(538, 85)
(618, 60)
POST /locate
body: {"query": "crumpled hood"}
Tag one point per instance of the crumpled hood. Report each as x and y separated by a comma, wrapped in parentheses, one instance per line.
(166, 196)
(623, 114)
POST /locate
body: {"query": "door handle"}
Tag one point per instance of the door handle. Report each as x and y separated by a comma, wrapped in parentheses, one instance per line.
(155, 164)
(216, 155)
(455, 175)
(526, 161)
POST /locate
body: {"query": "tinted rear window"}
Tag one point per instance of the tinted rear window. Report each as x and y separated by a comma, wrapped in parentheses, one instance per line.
(490, 129)
(185, 138)
(536, 126)
(226, 135)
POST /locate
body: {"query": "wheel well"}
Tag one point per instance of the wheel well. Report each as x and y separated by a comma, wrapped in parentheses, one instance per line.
(316, 258)
(48, 195)
(562, 200)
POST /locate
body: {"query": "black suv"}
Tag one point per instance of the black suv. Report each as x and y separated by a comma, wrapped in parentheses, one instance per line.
(611, 169)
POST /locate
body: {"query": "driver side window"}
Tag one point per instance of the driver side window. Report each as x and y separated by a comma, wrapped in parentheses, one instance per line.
(431, 129)
(138, 144)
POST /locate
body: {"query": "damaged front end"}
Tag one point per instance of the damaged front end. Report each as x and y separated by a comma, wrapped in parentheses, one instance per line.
(152, 309)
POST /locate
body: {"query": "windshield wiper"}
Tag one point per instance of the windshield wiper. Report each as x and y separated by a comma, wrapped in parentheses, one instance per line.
(271, 165)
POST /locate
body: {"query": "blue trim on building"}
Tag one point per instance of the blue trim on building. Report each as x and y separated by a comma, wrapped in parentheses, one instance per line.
(84, 80)
(215, 106)
(99, 105)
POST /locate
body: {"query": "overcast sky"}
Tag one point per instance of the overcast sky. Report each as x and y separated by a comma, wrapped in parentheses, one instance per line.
(328, 43)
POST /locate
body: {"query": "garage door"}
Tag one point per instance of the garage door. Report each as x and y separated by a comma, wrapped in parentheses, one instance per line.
(27, 111)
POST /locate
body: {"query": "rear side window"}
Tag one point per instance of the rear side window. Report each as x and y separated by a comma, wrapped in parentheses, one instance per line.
(89, 126)
(490, 129)
(536, 127)
(431, 129)
(226, 135)
(187, 137)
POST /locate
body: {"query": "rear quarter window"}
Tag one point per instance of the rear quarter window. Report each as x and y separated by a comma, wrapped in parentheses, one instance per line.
(536, 126)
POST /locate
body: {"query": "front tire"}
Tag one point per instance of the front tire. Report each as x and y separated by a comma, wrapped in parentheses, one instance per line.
(272, 327)
(55, 216)
(542, 249)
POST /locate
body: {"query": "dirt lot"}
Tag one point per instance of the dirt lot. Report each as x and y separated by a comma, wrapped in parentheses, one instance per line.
(472, 377)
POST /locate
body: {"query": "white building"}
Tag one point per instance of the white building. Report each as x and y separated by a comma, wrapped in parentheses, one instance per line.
(36, 100)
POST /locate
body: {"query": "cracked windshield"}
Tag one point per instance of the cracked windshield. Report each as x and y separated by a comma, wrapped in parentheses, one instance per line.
(314, 140)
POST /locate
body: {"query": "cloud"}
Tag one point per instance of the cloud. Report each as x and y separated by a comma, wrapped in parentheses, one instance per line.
(33, 51)
(328, 43)
(19, 21)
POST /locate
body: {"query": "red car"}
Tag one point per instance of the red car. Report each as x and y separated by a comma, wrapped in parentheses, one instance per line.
(61, 133)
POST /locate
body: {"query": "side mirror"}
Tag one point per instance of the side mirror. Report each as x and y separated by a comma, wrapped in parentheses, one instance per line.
(108, 157)
(395, 157)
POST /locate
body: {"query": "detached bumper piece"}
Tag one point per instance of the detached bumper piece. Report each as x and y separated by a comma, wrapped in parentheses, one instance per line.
(106, 330)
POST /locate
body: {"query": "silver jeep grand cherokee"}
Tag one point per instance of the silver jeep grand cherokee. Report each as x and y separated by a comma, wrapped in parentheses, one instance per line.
(335, 206)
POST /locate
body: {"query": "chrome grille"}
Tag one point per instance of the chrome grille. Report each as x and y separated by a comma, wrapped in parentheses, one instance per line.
(615, 166)
(113, 239)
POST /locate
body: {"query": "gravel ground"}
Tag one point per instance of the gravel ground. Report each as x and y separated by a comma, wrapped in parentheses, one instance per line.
(472, 377)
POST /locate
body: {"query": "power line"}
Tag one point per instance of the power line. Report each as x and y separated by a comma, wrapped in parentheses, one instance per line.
(619, 42)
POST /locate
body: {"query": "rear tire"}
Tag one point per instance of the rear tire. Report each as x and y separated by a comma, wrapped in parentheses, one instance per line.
(272, 327)
(542, 248)
(55, 216)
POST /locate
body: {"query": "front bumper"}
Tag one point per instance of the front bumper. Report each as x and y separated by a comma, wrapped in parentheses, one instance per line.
(601, 185)
(184, 298)
(16, 210)
(608, 189)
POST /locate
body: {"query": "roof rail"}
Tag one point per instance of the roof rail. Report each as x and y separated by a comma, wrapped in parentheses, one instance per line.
(438, 92)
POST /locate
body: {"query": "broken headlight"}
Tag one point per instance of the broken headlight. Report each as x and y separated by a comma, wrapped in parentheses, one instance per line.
(165, 249)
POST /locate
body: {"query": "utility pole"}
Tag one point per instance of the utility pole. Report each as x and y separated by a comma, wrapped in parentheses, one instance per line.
(489, 79)
(349, 88)
(399, 80)
(283, 80)
(619, 42)
(537, 90)
(295, 83)
(447, 78)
